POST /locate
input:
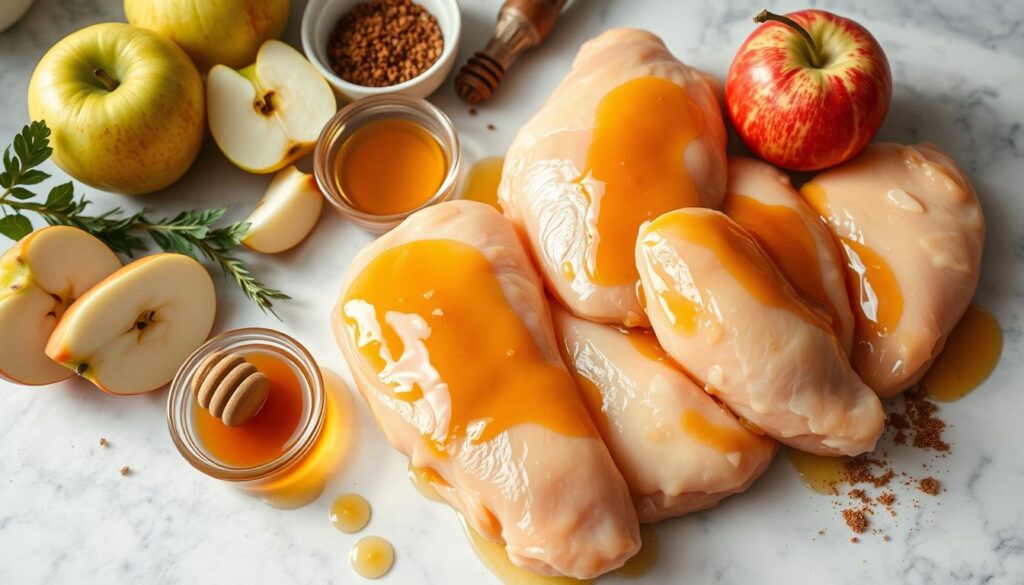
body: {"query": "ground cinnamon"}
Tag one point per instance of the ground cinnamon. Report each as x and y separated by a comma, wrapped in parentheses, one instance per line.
(856, 520)
(914, 422)
(929, 485)
(384, 42)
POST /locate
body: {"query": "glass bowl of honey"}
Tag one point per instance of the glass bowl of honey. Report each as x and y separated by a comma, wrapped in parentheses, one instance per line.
(286, 451)
(382, 158)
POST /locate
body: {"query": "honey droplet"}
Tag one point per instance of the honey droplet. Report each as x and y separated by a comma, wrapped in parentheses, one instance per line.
(971, 353)
(639, 564)
(350, 513)
(372, 557)
(818, 472)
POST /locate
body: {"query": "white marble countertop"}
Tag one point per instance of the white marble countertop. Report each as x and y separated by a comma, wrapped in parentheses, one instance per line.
(68, 516)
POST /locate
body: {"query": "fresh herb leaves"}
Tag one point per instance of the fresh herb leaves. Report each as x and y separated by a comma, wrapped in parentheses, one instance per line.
(193, 233)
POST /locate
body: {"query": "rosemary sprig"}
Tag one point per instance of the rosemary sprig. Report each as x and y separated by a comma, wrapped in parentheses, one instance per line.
(193, 233)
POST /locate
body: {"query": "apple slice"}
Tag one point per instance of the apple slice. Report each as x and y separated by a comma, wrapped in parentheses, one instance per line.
(131, 332)
(287, 213)
(39, 278)
(270, 113)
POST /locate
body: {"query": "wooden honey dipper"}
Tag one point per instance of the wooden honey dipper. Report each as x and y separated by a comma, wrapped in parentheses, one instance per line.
(231, 388)
(521, 24)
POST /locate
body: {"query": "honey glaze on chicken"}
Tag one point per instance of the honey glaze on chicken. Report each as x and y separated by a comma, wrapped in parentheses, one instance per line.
(635, 169)
(473, 365)
(446, 330)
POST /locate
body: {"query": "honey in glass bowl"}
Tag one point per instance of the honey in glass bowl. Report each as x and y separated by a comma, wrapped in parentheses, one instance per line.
(283, 454)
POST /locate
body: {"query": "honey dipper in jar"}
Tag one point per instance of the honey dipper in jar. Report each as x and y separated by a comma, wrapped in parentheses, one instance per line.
(252, 408)
(231, 388)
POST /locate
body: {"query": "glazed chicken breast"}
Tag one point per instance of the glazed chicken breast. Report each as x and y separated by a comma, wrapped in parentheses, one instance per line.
(629, 134)
(911, 231)
(721, 308)
(445, 327)
(678, 449)
(761, 199)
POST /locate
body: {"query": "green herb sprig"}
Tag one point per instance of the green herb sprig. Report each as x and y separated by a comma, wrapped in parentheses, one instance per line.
(193, 233)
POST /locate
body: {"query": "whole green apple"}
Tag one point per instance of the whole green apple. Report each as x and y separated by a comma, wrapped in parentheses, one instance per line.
(125, 107)
(226, 32)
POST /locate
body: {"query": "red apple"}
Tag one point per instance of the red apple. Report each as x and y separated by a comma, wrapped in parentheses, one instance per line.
(808, 90)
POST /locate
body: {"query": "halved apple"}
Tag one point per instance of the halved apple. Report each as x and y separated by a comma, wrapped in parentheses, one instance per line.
(131, 332)
(270, 113)
(39, 278)
(287, 213)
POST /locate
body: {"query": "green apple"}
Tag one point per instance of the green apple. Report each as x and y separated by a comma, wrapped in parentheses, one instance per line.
(125, 105)
(225, 32)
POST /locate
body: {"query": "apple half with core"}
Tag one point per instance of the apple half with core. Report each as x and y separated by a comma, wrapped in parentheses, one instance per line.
(125, 106)
(40, 277)
(227, 32)
(131, 332)
(270, 113)
(808, 90)
(287, 213)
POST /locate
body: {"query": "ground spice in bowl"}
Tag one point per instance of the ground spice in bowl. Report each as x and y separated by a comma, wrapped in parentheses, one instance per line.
(384, 42)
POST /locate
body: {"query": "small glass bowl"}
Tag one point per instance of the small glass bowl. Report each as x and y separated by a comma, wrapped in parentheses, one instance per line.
(296, 476)
(384, 107)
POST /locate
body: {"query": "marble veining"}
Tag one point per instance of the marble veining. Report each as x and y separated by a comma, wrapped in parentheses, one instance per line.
(68, 516)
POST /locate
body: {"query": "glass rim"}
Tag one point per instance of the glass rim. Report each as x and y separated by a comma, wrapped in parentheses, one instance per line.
(179, 403)
(365, 107)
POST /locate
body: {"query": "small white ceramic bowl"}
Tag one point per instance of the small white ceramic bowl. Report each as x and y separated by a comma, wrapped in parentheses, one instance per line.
(11, 11)
(320, 18)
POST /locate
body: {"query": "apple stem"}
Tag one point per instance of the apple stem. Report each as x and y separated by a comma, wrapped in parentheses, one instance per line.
(108, 82)
(765, 16)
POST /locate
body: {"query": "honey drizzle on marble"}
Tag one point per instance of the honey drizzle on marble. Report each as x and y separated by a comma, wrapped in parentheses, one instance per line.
(969, 357)
(483, 180)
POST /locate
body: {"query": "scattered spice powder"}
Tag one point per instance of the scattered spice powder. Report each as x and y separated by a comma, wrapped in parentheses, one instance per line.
(472, 111)
(103, 442)
(856, 520)
(914, 423)
(491, 127)
(854, 539)
(859, 470)
(929, 485)
(859, 494)
(384, 42)
(920, 413)
(887, 499)
(125, 470)
(899, 424)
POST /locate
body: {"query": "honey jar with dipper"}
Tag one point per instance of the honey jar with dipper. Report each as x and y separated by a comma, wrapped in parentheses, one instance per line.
(251, 407)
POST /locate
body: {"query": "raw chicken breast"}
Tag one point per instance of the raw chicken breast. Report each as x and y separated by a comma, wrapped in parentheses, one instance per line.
(677, 448)
(629, 134)
(447, 332)
(761, 199)
(724, 312)
(911, 229)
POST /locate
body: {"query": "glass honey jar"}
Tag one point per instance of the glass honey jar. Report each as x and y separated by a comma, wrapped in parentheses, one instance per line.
(286, 451)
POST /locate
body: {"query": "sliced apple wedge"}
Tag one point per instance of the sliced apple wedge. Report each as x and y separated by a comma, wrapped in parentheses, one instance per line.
(39, 278)
(287, 213)
(131, 332)
(270, 113)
